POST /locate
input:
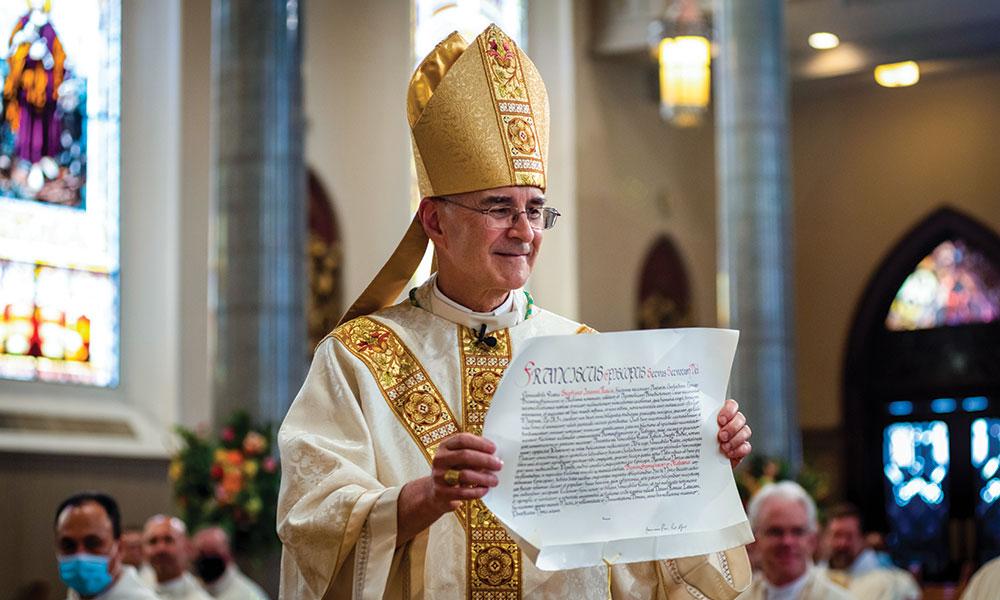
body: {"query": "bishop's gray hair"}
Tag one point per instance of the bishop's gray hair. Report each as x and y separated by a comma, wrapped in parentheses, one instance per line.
(784, 490)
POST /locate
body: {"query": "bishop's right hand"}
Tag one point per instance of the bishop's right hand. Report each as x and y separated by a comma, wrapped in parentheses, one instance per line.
(464, 468)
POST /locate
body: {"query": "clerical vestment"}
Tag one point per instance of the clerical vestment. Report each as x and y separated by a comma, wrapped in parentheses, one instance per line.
(815, 587)
(382, 393)
(885, 584)
(985, 584)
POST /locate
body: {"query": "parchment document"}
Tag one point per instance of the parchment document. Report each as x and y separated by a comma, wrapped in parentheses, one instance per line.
(609, 448)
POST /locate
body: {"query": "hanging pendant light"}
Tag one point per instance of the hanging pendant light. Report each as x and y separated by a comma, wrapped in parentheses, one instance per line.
(681, 45)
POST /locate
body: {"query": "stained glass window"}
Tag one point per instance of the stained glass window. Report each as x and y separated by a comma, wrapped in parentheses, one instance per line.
(59, 186)
(986, 463)
(953, 285)
(916, 460)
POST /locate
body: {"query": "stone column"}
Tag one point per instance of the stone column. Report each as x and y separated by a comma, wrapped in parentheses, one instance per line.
(260, 346)
(754, 235)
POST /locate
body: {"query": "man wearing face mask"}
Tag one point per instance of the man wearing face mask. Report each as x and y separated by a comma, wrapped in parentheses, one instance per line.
(219, 575)
(168, 551)
(87, 532)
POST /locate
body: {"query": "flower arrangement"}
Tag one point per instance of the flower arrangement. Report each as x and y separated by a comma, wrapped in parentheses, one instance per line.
(230, 481)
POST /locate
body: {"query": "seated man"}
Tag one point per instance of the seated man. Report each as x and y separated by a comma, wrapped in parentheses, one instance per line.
(862, 571)
(168, 551)
(783, 518)
(88, 532)
(215, 567)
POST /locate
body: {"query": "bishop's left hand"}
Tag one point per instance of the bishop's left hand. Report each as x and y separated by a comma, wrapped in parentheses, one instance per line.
(734, 433)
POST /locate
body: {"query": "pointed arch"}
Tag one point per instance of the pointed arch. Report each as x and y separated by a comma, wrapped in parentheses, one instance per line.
(883, 366)
(664, 292)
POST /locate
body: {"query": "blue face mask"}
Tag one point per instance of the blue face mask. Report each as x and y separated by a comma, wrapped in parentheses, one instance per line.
(86, 573)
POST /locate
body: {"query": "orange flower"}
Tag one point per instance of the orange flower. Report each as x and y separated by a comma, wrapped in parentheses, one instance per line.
(254, 443)
(232, 482)
(234, 457)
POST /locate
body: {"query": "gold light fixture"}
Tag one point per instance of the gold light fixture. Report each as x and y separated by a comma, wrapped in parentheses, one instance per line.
(681, 45)
(823, 40)
(901, 74)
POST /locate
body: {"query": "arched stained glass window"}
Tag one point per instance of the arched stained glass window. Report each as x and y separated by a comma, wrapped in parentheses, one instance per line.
(953, 285)
(59, 150)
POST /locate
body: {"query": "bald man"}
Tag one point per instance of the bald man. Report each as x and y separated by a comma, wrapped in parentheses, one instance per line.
(168, 550)
(215, 567)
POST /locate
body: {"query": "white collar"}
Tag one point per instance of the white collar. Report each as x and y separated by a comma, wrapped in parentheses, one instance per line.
(177, 584)
(504, 307)
(789, 591)
(505, 316)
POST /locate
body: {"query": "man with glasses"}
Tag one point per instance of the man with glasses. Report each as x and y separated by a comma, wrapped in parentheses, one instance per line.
(383, 465)
(783, 518)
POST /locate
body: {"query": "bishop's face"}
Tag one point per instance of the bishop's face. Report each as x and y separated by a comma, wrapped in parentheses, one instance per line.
(482, 257)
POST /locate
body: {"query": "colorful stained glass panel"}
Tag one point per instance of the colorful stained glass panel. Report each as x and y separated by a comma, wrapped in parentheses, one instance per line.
(953, 285)
(59, 190)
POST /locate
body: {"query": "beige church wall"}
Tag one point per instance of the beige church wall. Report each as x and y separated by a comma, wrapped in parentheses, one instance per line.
(637, 178)
(869, 164)
(356, 64)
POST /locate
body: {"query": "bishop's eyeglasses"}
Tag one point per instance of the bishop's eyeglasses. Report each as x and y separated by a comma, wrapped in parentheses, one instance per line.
(505, 217)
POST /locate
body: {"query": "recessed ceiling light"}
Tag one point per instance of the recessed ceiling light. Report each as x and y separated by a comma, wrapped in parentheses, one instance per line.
(899, 74)
(824, 40)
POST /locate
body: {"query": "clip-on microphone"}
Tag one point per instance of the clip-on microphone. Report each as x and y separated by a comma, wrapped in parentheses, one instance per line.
(482, 338)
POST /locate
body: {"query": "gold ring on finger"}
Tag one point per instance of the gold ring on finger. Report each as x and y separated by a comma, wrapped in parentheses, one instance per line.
(451, 476)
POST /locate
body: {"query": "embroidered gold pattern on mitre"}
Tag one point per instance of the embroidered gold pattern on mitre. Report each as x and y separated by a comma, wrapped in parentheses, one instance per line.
(404, 383)
(478, 117)
(494, 560)
(513, 106)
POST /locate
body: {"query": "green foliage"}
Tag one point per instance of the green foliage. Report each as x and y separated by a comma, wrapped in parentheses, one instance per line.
(230, 481)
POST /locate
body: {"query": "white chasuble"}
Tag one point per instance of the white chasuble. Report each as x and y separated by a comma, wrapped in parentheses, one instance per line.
(382, 392)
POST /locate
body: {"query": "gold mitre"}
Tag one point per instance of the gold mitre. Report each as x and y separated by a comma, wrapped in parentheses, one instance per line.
(479, 116)
(479, 119)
